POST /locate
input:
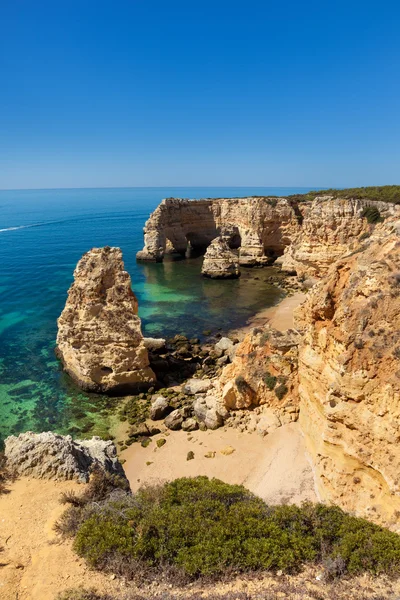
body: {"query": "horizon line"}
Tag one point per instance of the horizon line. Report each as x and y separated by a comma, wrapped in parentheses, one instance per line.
(127, 187)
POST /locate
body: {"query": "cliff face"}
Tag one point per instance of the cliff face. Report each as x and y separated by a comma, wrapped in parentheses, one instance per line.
(259, 227)
(309, 235)
(331, 228)
(349, 374)
(99, 337)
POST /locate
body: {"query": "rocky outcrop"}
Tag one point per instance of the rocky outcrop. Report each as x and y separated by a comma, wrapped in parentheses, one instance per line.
(349, 374)
(260, 228)
(99, 339)
(51, 456)
(264, 373)
(220, 262)
(305, 236)
(331, 228)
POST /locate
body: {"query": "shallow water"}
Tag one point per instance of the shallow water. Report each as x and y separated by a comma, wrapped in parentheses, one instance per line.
(43, 233)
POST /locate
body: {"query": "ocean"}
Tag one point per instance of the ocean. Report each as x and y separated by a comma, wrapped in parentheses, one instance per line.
(43, 234)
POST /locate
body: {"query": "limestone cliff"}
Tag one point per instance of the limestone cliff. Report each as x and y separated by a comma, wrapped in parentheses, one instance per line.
(310, 235)
(259, 227)
(331, 228)
(99, 332)
(349, 374)
(220, 262)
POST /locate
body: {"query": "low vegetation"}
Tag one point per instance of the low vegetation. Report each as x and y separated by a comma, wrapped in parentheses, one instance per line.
(283, 589)
(194, 527)
(372, 214)
(385, 193)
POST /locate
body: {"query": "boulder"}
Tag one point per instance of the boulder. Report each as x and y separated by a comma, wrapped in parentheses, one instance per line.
(213, 419)
(174, 420)
(197, 386)
(153, 344)
(159, 408)
(200, 409)
(51, 456)
(190, 425)
(224, 344)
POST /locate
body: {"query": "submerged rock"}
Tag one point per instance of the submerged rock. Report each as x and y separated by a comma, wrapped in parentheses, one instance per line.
(51, 456)
(99, 339)
(220, 262)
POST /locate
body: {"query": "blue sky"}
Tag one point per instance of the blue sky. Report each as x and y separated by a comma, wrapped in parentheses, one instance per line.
(218, 92)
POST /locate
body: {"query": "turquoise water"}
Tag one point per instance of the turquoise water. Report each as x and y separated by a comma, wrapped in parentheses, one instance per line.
(43, 233)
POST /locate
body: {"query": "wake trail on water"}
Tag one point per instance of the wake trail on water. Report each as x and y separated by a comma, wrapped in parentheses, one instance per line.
(72, 220)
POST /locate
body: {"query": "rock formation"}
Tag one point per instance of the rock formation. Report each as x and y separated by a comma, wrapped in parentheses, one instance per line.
(51, 456)
(220, 262)
(349, 373)
(339, 374)
(331, 228)
(263, 371)
(260, 227)
(307, 235)
(99, 337)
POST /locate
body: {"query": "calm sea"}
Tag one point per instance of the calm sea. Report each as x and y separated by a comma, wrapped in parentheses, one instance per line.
(43, 233)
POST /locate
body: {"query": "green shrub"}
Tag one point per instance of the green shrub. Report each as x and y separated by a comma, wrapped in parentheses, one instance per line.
(372, 214)
(281, 391)
(264, 338)
(200, 527)
(384, 193)
(242, 384)
(270, 380)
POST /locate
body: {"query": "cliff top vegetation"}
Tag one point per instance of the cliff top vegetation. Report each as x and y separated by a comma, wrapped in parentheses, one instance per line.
(190, 528)
(384, 193)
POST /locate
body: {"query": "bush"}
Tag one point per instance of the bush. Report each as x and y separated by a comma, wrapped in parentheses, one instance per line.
(270, 380)
(101, 487)
(372, 214)
(281, 391)
(242, 384)
(201, 527)
(384, 193)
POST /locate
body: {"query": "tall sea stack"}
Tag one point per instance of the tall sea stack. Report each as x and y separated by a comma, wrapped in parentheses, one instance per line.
(99, 339)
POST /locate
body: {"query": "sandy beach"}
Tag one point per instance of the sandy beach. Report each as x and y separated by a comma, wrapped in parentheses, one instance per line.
(274, 467)
(279, 316)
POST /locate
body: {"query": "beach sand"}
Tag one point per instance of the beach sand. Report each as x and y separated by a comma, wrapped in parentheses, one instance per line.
(274, 467)
(279, 316)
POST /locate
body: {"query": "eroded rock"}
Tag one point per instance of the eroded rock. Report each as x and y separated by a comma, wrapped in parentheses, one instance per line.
(99, 339)
(51, 456)
(220, 262)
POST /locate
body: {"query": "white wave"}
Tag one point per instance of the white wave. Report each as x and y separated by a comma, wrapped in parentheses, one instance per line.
(30, 225)
(20, 227)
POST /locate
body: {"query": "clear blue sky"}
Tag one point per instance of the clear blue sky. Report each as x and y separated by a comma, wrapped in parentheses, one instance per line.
(168, 92)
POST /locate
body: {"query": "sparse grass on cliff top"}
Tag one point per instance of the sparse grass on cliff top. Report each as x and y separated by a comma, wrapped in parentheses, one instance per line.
(196, 527)
(385, 193)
